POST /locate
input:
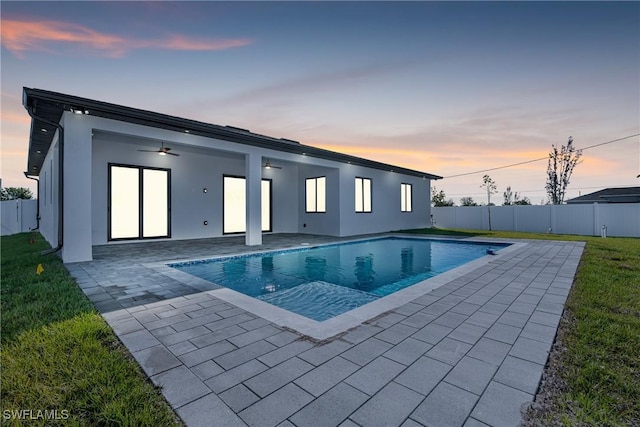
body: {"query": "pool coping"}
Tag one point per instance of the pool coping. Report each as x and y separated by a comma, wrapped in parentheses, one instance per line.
(338, 325)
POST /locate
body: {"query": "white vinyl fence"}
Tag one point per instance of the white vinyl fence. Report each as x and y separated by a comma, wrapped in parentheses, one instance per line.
(619, 219)
(17, 216)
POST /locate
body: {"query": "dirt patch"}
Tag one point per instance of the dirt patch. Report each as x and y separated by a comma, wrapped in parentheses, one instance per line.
(544, 410)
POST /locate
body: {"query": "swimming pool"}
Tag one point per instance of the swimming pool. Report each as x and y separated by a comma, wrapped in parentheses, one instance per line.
(326, 281)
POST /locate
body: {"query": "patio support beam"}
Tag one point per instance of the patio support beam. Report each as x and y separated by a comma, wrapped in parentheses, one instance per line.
(253, 173)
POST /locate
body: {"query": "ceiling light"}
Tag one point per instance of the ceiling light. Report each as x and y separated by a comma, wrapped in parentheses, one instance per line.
(39, 151)
(162, 153)
(78, 111)
(43, 130)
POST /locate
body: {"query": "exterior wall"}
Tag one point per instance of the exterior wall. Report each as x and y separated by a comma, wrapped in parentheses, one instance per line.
(621, 219)
(18, 216)
(326, 223)
(285, 200)
(193, 171)
(190, 174)
(91, 143)
(48, 197)
(385, 202)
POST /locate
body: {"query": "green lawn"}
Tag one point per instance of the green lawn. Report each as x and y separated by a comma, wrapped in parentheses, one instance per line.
(594, 370)
(57, 352)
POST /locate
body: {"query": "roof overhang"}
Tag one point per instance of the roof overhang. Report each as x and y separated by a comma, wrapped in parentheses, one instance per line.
(50, 106)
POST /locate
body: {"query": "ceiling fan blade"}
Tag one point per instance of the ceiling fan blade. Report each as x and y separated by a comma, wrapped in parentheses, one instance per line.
(162, 150)
(276, 167)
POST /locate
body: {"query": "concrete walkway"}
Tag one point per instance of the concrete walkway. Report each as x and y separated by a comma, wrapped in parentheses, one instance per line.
(470, 353)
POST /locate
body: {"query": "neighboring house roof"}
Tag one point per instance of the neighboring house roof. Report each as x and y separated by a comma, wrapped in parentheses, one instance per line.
(610, 195)
(50, 106)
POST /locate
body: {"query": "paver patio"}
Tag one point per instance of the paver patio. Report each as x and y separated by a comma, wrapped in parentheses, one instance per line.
(468, 353)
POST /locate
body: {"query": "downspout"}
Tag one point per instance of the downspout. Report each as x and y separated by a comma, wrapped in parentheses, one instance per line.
(60, 179)
(26, 175)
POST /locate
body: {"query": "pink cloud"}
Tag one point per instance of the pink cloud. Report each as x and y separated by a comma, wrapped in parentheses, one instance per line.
(21, 36)
(180, 42)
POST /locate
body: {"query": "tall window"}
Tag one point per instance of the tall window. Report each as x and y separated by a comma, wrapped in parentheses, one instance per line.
(234, 218)
(405, 198)
(139, 202)
(316, 194)
(363, 195)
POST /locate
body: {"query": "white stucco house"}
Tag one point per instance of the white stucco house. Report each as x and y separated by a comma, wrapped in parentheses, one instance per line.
(97, 187)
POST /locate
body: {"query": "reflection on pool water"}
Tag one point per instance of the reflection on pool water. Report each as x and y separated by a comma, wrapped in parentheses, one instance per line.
(323, 282)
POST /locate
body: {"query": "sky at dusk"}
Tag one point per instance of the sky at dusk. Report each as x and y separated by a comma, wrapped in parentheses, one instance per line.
(446, 88)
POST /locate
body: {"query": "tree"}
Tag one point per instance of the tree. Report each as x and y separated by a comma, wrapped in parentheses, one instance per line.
(523, 201)
(491, 187)
(467, 201)
(511, 198)
(508, 196)
(559, 169)
(11, 193)
(438, 198)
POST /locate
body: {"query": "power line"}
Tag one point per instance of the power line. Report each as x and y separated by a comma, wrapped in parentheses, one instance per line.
(537, 160)
(483, 193)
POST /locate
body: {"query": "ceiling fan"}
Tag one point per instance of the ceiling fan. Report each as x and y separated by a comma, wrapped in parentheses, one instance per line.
(163, 151)
(268, 165)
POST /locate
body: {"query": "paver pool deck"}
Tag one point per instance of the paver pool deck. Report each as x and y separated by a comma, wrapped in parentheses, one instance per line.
(469, 353)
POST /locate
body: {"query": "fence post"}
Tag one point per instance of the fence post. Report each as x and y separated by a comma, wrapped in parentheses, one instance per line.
(455, 216)
(18, 215)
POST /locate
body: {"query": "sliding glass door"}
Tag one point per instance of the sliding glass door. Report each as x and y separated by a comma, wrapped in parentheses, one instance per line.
(234, 199)
(139, 202)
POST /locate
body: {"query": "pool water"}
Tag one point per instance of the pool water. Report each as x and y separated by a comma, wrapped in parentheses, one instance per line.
(326, 281)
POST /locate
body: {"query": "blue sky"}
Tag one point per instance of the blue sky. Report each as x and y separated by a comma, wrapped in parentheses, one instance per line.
(443, 87)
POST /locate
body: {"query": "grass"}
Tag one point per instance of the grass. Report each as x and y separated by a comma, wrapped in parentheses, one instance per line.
(593, 373)
(59, 354)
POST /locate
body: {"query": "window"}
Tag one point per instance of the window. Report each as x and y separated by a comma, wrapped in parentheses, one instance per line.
(405, 198)
(139, 202)
(234, 219)
(316, 189)
(363, 195)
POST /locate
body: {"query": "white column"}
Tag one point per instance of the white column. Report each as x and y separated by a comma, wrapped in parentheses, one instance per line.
(253, 173)
(77, 223)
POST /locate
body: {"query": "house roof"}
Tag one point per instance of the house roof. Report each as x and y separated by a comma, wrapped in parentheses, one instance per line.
(50, 106)
(610, 195)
